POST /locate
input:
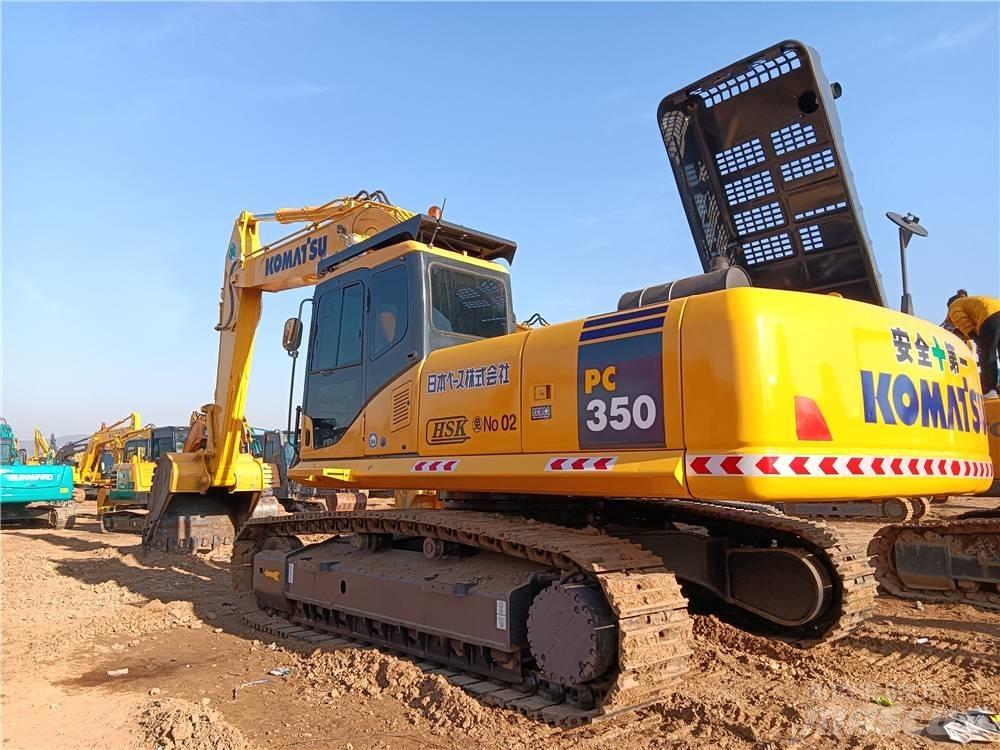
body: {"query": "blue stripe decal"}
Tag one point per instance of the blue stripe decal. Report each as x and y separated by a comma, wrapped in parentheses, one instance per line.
(639, 325)
(642, 312)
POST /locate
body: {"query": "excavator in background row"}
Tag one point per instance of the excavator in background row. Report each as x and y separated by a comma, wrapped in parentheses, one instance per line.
(44, 453)
(32, 491)
(593, 474)
(954, 559)
(121, 505)
(93, 457)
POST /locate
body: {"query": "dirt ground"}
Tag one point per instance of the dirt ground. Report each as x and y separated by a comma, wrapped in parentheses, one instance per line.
(78, 604)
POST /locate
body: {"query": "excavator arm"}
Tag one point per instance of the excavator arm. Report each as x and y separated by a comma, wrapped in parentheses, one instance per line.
(251, 269)
(216, 461)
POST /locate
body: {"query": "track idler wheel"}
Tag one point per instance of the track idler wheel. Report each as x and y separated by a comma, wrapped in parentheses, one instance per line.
(572, 633)
(62, 516)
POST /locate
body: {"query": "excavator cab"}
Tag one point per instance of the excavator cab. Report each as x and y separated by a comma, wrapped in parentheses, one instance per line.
(374, 320)
(135, 448)
(166, 440)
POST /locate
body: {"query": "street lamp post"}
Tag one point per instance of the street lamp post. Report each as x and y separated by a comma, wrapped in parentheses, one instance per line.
(909, 225)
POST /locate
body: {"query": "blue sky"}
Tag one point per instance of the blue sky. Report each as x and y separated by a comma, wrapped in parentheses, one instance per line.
(132, 135)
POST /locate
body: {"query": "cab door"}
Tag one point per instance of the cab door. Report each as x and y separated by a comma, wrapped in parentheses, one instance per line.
(335, 368)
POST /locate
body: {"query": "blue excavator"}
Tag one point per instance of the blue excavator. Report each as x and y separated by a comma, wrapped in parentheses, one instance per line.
(33, 491)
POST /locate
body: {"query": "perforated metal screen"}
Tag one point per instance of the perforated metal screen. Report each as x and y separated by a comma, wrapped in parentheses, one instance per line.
(758, 158)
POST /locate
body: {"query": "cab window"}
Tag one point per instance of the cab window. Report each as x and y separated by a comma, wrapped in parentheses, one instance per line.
(467, 304)
(389, 310)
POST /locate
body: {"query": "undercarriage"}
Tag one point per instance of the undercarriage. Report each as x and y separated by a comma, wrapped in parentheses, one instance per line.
(565, 611)
(58, 515)
(948, 560)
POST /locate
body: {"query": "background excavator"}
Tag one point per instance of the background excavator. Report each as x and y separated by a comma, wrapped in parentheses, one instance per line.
(950, 559)
(121, 504)
(44, 453)
(32, 491)
(593, 474)
(93, 458)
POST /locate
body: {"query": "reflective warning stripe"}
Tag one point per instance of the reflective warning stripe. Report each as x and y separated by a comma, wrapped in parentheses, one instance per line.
(762, 465)
(580, 463)
(442, 465)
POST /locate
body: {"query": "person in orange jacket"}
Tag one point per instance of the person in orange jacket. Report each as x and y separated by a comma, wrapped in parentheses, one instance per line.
(978, 319)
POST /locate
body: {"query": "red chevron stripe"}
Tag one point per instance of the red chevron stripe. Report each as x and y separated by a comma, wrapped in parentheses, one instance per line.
(699, 465)
(798, 465)
(766, 465)
(731, 465)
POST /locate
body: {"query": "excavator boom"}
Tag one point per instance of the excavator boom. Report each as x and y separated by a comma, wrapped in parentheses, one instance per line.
(216, 461)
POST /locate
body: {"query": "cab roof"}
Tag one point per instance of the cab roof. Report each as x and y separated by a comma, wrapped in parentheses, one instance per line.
(430, 231)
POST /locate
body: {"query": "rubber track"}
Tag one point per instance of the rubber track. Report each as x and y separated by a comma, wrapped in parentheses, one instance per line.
(848, 565)
(654, 629)
(880, 549)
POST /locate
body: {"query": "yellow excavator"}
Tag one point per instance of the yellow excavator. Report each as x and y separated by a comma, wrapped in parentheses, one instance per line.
(44, 453)
(122, 506)
(593, 476)
(94, 457)
(954, 559)
(121, 502)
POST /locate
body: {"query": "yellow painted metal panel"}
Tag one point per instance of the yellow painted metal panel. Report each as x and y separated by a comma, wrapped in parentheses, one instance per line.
(469, 398)
(884, 382)
(549, 372)
(396, 402)
(635, 474)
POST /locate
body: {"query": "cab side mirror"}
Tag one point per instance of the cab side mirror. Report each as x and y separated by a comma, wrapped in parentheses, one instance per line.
(291, 337)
